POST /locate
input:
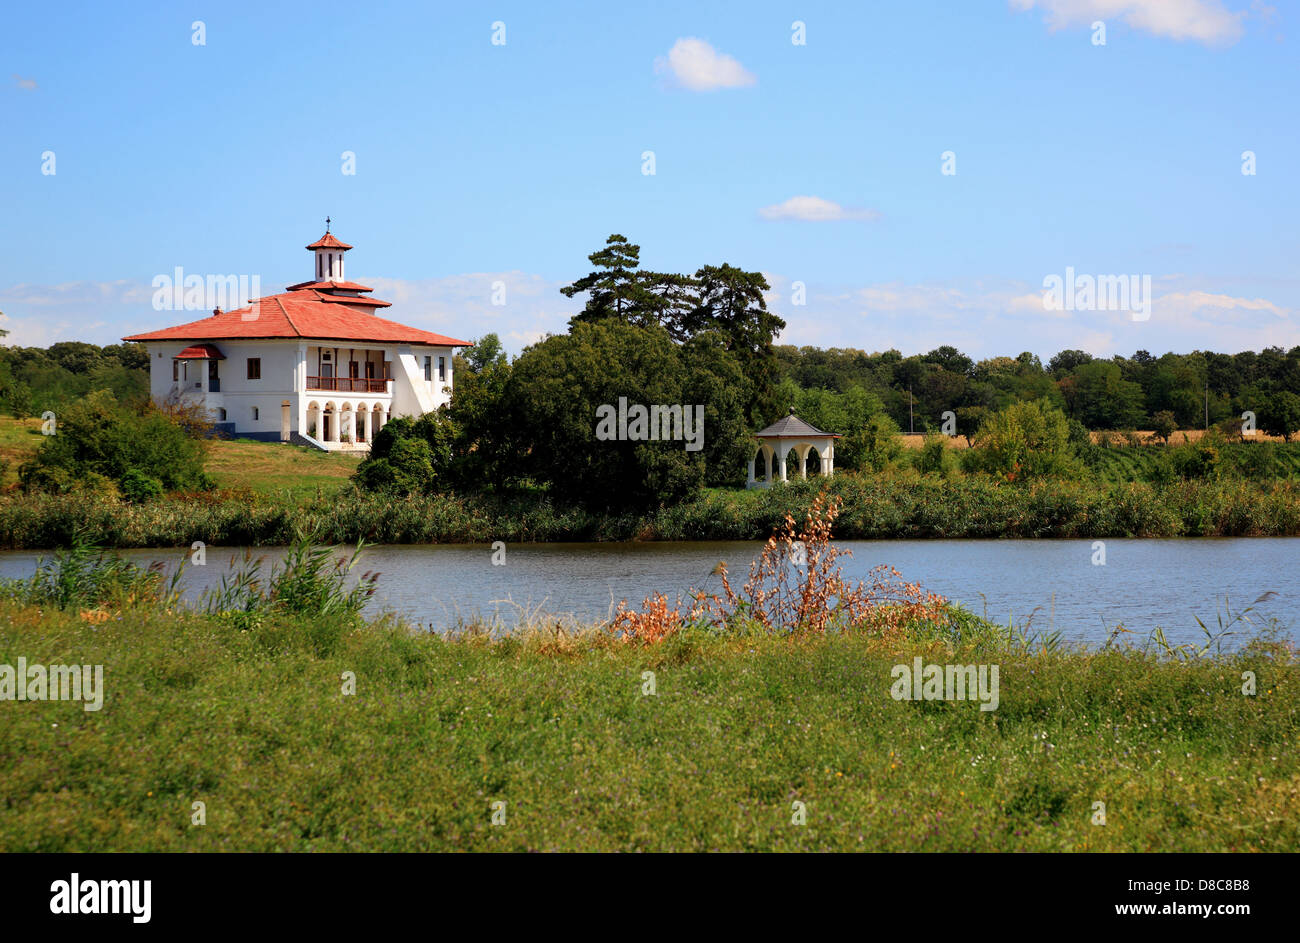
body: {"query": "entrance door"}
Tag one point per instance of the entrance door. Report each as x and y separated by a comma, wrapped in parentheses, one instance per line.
(325, 420)
(214, 381)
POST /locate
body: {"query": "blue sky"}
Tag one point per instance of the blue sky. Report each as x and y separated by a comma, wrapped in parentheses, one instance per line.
(818, 163)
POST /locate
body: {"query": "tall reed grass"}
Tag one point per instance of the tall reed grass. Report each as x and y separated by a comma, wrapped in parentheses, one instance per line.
(900, 504)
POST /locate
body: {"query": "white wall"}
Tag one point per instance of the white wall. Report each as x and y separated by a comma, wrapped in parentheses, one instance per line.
(285, 364)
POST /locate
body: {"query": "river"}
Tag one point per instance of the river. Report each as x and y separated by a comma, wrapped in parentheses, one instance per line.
(1052, 585)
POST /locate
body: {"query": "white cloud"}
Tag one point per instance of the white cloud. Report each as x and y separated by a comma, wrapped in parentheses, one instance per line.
(987, 318)
(983, 317)
(25, 84)
(1205, 21)
(1206, 303)
(695, 65)
(814, 209)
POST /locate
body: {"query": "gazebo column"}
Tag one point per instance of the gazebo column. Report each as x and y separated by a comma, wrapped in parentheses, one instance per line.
(781, 459)
(767, 466)
(803, 463)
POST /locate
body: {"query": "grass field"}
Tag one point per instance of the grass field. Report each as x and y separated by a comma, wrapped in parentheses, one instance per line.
(275, 468)
(254, 724)
(267, 468)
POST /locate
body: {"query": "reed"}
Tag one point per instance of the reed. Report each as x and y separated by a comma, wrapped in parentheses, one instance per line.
(898, 504)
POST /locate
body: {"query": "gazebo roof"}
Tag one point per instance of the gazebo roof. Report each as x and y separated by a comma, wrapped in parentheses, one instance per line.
(792, 427)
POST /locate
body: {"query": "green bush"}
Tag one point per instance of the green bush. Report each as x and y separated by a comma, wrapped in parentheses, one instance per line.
(934, 458)
(138, 487)
(97, 439)
(1025, 441)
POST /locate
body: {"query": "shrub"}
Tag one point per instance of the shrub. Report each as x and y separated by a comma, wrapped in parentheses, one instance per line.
(933, 457)
(96, 438)
(137, 487)
(878, 442)
(1025, 440)
(1164, 425)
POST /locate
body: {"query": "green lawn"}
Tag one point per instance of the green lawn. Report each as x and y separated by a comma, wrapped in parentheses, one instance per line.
(263, 467)
(254, 725)
(19, 440)
(277, 468)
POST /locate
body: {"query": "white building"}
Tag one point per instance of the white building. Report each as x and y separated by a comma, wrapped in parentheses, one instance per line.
(777, 441)
(314, 365)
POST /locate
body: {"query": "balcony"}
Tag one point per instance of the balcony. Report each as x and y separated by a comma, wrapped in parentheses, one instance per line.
(350, 384)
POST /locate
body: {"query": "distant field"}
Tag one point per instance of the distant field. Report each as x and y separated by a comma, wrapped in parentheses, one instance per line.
(915, 441)
(262, 467)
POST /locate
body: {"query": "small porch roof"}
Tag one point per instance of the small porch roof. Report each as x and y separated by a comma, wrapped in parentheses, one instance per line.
(201, 352)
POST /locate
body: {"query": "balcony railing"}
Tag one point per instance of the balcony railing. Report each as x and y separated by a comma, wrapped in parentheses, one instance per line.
(350, 384)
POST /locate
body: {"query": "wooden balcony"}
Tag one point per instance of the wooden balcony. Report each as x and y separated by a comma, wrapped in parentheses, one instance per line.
(350, 384)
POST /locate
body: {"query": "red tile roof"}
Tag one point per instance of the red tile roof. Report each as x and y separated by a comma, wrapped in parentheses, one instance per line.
(327, 285)
(201, 352)
(306, 313)
(355, 300)
(328, 241)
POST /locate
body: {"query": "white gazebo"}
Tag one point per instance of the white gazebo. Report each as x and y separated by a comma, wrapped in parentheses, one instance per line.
(776, 441)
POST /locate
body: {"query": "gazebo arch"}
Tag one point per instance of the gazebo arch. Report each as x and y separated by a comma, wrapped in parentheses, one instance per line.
(790, 433)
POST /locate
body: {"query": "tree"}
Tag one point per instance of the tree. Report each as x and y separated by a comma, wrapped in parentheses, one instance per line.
(99, 439)
(617, 289)
(484, 353)
(1164, 425)
(1067, 361)
(878, 443)
(969, 420)
(1025, 440)
(949, 358)
(1101, 398)
(409, 456)
(1281, 414)
(560, 389)
(730, 301)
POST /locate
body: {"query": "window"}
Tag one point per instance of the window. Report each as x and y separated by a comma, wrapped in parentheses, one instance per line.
(255, 368)
(256, 415)
(442, 369)
(370, 369)
(176, 370)
(428, 368)
(354, 369)
(318, 265)
(221, 415)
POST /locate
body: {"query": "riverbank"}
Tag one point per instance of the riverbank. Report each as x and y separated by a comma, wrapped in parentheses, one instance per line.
(252, 722)
(898, 505)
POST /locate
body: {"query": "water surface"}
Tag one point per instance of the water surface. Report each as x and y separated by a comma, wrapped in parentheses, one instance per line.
(1052, 585)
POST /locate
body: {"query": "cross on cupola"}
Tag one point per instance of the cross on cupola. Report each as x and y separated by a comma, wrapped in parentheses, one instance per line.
(329, 256)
